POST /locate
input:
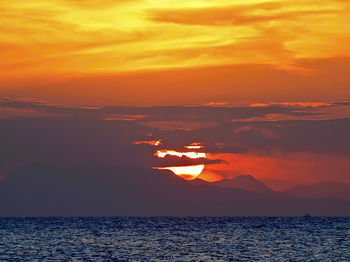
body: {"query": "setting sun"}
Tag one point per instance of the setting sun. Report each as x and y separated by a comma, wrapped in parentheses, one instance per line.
(186, 172)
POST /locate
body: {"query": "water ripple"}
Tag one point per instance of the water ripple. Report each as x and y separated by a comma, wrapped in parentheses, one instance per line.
(175, 239)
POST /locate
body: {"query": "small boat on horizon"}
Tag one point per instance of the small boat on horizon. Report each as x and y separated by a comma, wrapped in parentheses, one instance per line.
(307, 215)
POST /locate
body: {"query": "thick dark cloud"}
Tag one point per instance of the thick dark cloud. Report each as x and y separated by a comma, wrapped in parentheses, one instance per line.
(185, 161)
(306, 128)
(73, 162)
(223, 129)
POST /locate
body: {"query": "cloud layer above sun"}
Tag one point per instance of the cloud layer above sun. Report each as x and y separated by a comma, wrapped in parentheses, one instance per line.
(282, 144)
(113, 161)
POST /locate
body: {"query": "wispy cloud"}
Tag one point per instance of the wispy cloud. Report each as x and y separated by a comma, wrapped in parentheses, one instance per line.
(85, 37)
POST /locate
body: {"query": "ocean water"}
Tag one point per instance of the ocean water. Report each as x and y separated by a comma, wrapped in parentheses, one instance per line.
(175, 239)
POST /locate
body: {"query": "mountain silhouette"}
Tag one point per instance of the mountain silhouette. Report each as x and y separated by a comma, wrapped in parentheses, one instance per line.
(245, 182)
(321, 190)
(90, 190)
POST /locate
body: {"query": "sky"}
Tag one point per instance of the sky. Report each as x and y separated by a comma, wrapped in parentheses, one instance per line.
(164, 52)
(123, 98)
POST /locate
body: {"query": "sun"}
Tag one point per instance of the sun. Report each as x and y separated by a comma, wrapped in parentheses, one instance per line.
(186, 172)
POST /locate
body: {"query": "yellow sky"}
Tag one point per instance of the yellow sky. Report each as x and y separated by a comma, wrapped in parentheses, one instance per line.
(84, 37)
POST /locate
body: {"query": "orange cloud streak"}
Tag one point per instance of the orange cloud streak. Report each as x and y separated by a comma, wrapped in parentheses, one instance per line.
(195, 146)
(151, 142)
(163, 153)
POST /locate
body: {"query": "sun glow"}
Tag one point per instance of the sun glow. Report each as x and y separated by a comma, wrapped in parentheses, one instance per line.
(186, 172)
(164, 153)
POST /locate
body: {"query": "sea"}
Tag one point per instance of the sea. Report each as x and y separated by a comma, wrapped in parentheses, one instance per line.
(175, 239)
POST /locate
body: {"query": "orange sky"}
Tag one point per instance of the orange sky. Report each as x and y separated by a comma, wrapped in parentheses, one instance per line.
(152, 51)
(280, 170)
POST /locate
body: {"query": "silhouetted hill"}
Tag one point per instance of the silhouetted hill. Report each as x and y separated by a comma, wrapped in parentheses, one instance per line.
(90, 190)
(321, 190)
(245, 182)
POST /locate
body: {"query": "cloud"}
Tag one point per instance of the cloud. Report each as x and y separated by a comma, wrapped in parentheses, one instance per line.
(85, 38)
(243, 14)
(325, 78)
(97, 4)
(101, 171)
(81, 134)
(186, 161)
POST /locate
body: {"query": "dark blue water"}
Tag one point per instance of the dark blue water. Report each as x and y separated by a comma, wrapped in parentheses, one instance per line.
(175, 239)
